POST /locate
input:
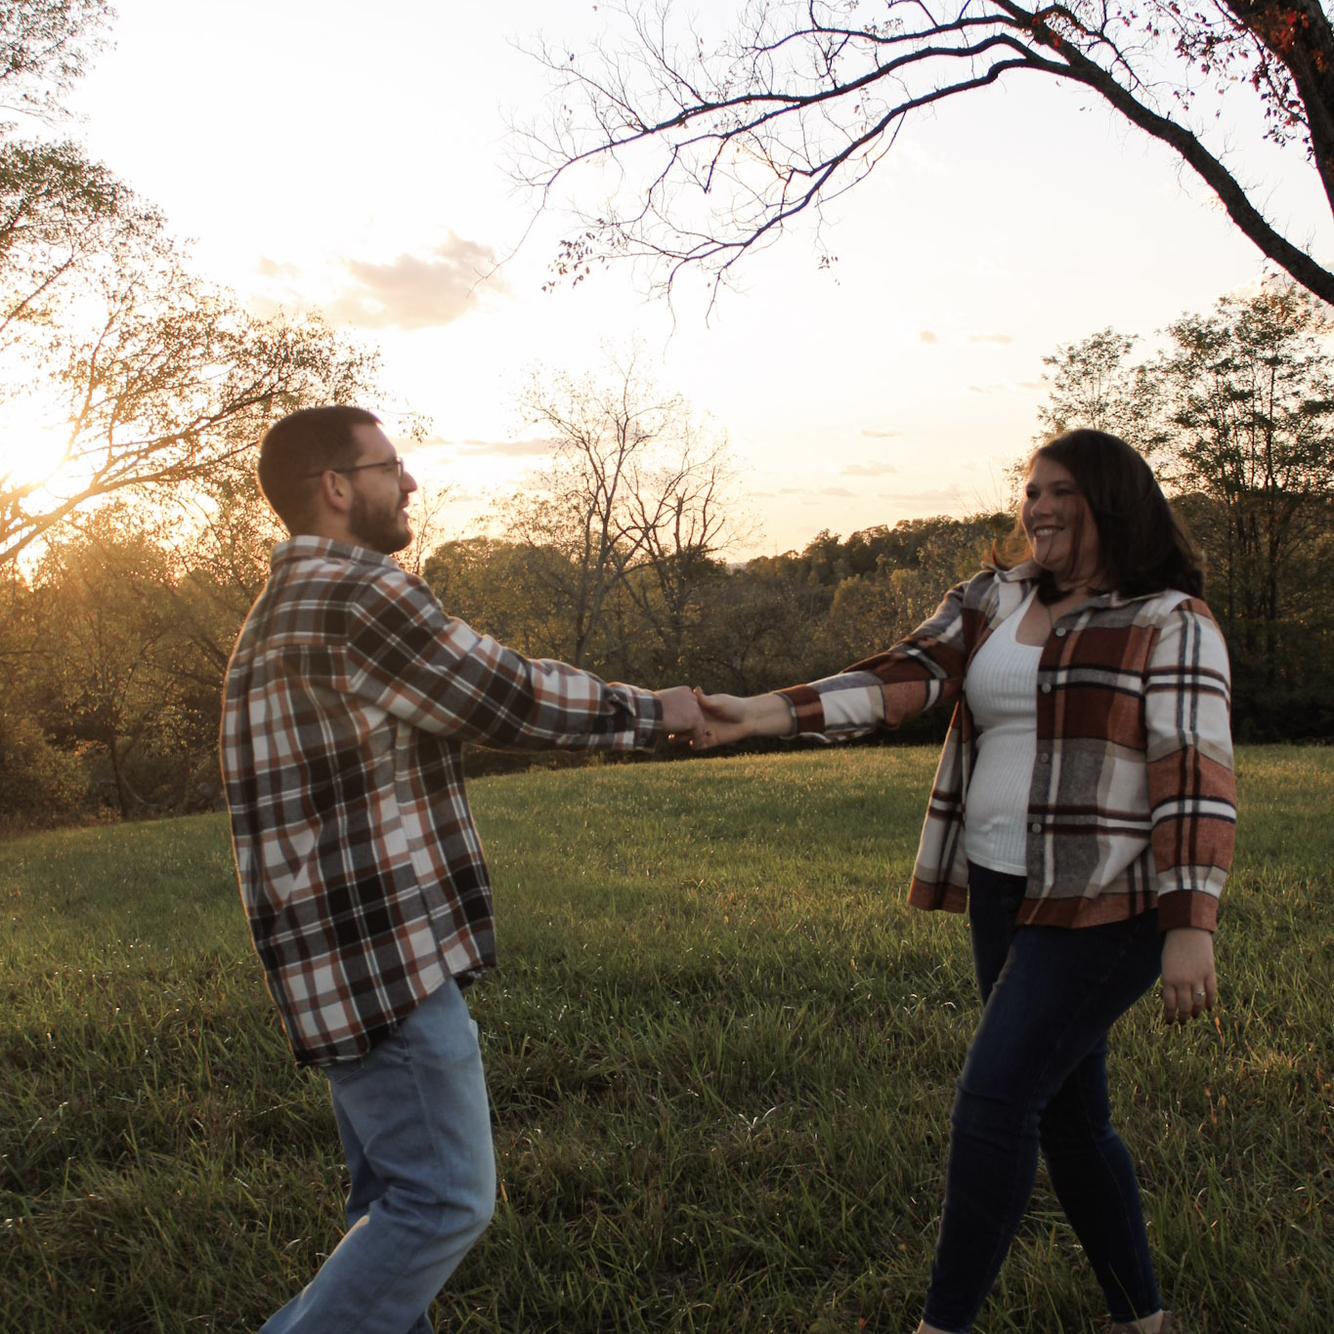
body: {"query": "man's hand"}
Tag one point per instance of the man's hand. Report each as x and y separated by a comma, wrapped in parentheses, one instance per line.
(729, 718)
(681, 717)
(1190, 985)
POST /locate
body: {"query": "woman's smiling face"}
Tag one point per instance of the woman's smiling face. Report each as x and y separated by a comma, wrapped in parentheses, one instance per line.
(1058, 523)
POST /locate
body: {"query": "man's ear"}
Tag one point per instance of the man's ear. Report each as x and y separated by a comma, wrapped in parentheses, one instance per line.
(334, 491)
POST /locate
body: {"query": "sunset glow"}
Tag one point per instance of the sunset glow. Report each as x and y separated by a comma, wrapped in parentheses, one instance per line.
(900, 381)
(37, 451)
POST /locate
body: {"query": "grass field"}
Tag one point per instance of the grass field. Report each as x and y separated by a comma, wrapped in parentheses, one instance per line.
(720, 1053)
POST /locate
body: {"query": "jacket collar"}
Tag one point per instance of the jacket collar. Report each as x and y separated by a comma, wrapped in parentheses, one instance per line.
(1028, 572)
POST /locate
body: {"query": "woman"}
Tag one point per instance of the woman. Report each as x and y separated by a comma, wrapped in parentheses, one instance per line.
(1083, 811)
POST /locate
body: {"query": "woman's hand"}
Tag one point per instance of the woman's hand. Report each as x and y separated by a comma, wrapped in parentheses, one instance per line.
(1190, 985)
(729, 718)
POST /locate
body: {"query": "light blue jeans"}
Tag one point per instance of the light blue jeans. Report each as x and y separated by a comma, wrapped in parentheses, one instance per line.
(416, 1128)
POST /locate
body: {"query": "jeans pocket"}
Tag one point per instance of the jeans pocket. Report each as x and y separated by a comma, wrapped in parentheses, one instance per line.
(390, 1048)
(343, 1073)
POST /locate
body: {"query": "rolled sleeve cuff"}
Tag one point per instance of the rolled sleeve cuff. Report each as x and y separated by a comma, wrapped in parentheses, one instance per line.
(1184, 907)
(648, 719)
(807, 709)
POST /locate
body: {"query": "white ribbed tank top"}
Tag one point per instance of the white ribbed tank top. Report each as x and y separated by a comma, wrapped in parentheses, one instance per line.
(1001, 685)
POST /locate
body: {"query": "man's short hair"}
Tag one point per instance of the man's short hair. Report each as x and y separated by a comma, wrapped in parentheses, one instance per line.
(297, 449)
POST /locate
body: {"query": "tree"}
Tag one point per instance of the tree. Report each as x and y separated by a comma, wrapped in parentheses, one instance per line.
(1248, 393)
(62, 217)
(1091, 386)
(429, 506)
(501, 588)
(44, 48)
(158, 378)
(1239, 408)
(678, 512)
(1237, 413)
(739, 138)
(106, 630)
(40, 783)
(632, 487)
(174, 381)
(760, 631)
(874, 610)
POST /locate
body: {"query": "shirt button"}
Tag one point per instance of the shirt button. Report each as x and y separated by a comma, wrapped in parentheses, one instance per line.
(1035, 828)
(1046, 757)
(1046, 687)
(1061, 633)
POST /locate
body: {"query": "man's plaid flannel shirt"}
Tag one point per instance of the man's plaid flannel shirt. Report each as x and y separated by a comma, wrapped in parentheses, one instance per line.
(348, 699)
(1133, 797)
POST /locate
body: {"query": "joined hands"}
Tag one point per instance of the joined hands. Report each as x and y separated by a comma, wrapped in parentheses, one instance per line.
(706, 721)
(682, 718)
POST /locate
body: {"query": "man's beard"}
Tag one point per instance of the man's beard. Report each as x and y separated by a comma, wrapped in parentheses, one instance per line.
(385, 531)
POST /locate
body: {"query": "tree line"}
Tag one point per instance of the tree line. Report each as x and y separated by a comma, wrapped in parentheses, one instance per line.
(114, 647)
(616, 556)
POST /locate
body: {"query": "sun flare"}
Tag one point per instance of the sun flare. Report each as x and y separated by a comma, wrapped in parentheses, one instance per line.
(35, 455)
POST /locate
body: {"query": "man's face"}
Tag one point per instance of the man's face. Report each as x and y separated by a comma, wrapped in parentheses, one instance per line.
(378, 518)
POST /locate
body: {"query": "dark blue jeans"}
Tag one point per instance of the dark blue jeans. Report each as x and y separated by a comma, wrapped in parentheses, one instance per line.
(1036, 1073)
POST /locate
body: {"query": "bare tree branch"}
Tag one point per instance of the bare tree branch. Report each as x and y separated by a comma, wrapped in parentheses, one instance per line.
(715, 149)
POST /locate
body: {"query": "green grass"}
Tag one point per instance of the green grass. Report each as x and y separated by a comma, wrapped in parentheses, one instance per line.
(720, 1051)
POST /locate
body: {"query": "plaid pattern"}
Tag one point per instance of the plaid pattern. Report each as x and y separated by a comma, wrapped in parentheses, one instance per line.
(348, 699)
(1133, 797)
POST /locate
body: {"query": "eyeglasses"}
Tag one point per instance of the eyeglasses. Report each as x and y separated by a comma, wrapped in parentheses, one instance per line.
(396, 464)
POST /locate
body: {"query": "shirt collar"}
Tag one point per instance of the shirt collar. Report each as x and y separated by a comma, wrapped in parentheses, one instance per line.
(307, 547)
(1025, 571)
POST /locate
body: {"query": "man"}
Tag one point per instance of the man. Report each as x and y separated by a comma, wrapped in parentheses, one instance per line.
(348, 700)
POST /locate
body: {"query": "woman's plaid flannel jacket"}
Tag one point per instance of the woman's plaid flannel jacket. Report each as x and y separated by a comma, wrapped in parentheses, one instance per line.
(1133, 797)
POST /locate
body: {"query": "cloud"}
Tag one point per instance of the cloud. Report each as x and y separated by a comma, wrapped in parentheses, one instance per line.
(927, 336)
(868, 469)
(514, 449)
(415, 292)
(272, 268)
(943, 502)
(839, 492)
(1000, 339)
(880, 435)
(461, 495)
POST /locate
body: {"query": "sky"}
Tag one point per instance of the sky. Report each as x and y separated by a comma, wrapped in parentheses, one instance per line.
(356, 159)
